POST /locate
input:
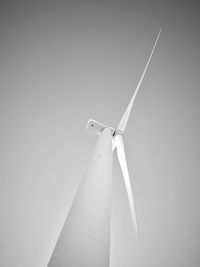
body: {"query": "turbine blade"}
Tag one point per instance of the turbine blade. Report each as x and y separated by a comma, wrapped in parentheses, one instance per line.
(124, 168)
(124, 119)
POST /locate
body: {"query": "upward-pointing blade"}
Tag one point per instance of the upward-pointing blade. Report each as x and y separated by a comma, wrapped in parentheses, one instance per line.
(124, 119)
(122, 160)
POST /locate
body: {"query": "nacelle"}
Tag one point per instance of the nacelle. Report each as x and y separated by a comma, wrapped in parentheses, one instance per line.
(97, 127)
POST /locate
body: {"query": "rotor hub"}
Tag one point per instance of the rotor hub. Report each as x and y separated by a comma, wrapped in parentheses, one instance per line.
(118, 132)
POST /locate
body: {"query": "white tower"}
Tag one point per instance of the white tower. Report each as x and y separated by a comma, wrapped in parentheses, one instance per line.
(85, 237)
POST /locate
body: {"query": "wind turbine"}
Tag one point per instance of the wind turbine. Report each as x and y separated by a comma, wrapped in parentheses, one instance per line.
(85, 237)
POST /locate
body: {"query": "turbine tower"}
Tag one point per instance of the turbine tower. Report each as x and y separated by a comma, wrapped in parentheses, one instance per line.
(85, 238)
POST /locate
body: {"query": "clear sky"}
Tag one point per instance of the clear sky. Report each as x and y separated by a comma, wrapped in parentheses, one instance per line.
(62, 63)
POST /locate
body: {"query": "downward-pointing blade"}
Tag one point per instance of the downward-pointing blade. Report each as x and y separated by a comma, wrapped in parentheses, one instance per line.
(124, 168)
(124, 119)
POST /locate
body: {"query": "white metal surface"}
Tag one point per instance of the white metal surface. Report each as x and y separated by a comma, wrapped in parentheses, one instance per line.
(85, 237)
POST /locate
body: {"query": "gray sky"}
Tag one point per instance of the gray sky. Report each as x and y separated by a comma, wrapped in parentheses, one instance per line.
(65, 62)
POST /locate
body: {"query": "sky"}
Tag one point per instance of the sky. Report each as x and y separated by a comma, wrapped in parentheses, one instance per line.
(63, 62)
